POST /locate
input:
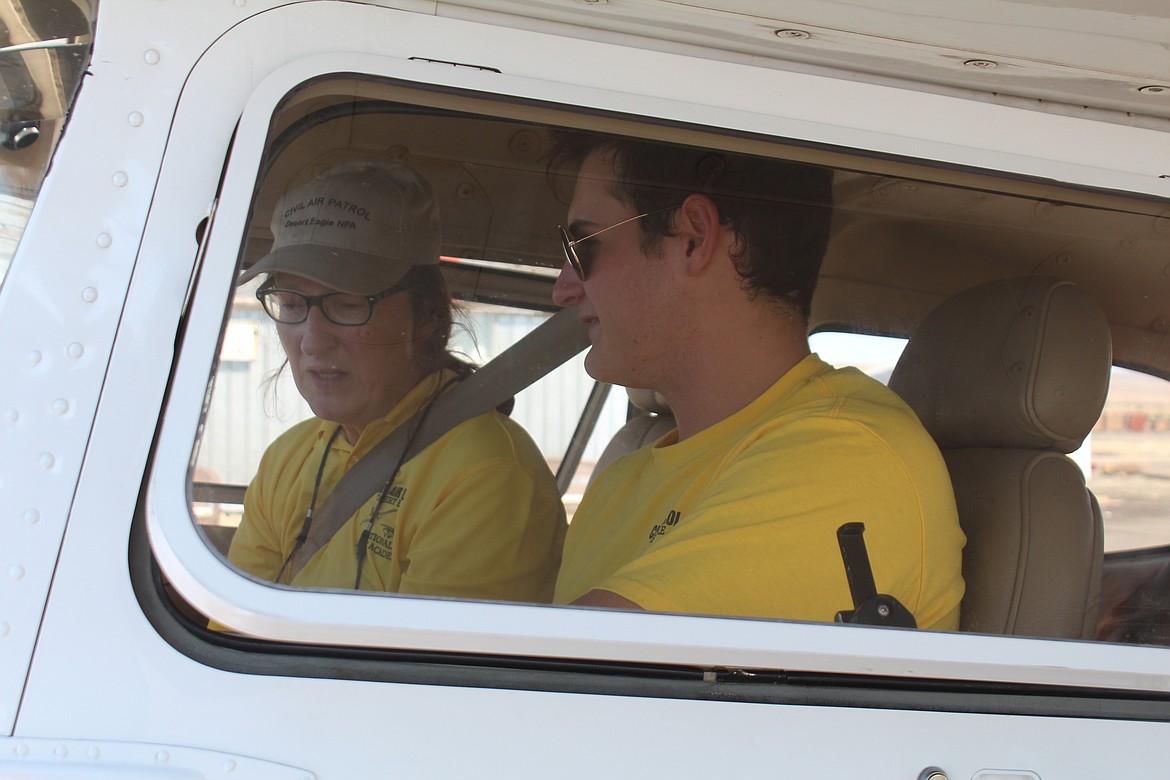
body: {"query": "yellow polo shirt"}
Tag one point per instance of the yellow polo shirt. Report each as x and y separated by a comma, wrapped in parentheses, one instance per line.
(476, 514)
(741, 519)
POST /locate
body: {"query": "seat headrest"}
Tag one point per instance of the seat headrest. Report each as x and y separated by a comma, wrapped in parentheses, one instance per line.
(1013, 363)
(648, 400)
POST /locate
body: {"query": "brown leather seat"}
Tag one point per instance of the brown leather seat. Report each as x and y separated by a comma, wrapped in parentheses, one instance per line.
(1009, 377)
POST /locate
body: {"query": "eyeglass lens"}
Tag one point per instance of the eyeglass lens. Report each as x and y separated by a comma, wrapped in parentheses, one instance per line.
(581, 263)
(290, 307)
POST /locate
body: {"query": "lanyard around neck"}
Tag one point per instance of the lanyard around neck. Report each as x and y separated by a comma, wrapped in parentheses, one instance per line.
(304, 534)
(365, 535)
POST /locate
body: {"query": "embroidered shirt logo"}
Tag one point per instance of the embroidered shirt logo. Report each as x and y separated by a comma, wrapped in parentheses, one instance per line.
(396, 496)
(381, 541)
(672, 518)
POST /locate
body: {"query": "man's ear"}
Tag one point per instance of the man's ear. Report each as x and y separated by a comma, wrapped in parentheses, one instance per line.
(699, 231)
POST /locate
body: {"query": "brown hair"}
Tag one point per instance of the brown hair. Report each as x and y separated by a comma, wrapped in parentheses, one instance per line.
(430, 301)
(779, 210)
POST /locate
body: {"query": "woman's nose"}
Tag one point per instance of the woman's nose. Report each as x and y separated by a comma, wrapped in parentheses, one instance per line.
(568, 290)
(317, 333)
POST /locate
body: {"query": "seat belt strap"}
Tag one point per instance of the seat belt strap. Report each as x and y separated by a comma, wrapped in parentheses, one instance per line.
(552, 343)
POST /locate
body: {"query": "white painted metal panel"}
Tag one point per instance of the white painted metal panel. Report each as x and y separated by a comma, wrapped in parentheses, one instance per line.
(68, 759)
(103, 673)
(1079, 56)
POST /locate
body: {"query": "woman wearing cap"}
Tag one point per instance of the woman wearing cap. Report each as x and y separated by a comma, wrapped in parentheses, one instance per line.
(364, 317)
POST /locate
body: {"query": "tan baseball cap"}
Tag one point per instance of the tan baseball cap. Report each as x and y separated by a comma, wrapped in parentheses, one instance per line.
(358, 229)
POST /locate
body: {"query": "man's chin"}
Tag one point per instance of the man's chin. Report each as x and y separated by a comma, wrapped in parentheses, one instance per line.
(600, 367)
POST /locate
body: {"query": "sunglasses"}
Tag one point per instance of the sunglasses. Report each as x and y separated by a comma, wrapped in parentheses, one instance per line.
(581, 262)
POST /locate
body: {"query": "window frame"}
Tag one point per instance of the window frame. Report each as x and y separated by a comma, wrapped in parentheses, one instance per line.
(286, 617)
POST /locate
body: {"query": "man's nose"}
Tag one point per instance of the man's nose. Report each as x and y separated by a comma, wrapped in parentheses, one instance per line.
(568, 290)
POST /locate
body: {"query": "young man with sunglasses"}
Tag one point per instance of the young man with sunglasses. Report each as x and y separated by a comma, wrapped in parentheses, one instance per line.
(694, 273)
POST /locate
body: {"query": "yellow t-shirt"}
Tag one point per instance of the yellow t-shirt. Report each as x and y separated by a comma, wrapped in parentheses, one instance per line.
(741, 518)
(476, 514)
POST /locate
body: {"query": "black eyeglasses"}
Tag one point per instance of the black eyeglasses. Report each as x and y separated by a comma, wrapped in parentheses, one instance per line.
(290, 307)
(581, 264)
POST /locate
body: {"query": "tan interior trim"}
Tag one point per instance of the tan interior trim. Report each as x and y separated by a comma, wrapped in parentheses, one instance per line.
(498, 107)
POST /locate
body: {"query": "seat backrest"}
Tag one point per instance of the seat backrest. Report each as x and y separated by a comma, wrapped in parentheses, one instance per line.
(1009, 377)
(656, 421)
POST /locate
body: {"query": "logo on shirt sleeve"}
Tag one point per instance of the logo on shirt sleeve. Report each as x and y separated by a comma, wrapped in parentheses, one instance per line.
(672, 519)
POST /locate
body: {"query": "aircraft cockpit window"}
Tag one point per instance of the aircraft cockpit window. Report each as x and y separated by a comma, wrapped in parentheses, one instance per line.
(1127, 458)
(1127, 461)
(397, 247)
(44, 49)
